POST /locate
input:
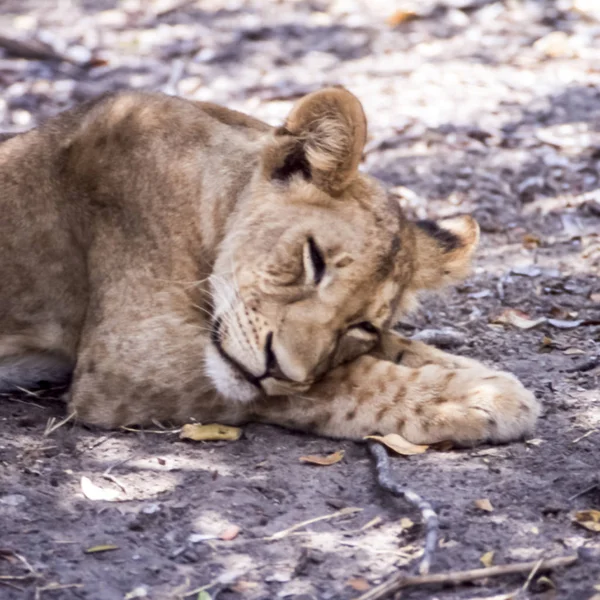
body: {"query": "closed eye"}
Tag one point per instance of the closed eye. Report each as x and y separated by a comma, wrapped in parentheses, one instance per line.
(316, 263)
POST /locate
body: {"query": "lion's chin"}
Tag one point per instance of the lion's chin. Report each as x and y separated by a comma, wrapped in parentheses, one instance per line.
(227, 380)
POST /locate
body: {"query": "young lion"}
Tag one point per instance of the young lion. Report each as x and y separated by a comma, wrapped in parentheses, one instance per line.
(185, 261)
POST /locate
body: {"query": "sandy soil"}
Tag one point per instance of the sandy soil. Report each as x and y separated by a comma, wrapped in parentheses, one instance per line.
(486, 107)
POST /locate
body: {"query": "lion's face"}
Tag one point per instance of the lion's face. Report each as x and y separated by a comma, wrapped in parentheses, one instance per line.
(317, 260)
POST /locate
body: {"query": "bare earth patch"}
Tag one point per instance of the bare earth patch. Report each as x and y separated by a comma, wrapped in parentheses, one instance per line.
(491, 108)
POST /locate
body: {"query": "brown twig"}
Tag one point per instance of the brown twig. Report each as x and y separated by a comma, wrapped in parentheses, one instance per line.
(398, 582)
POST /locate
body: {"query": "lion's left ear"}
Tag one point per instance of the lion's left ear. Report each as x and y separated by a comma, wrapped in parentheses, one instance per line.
(323, 140)
(443, 251)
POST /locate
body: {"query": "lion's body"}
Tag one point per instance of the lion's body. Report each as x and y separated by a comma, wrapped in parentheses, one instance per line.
(183, 261)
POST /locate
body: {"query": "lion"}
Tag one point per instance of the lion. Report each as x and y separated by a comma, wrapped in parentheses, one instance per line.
(178, 261)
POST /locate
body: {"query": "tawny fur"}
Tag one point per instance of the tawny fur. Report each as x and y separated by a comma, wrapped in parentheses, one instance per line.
(185, 261)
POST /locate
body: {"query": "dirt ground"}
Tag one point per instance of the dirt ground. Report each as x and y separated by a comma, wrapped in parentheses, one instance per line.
(486, 107)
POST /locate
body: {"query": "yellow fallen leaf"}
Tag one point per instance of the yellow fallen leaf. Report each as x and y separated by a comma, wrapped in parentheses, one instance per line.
(229, 533)
(590, 519)
(487, 559)
(209, 433)
(101, 548)
(324, 461)
(545, 583)
(94, 492)
(406, 523)
(398, 444)
(484, 504)
(360, 584)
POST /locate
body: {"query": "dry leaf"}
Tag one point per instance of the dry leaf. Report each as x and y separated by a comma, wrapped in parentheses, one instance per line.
(8, 555)
(487, 559)
(590, 519)
(517, 318)
(101, 548)
(562, 324)
(243, 585)
(209, 433)
(398, 444)
(360, 584)
(406, 523)
(531, 241)
(484, 504)
(401, 16)
(546, 345)
(139, 592)
(324, 461)
(556, 45)
(526, 271)
(545, 583)
(229, 533)
(573, 351)
(534, 442)
(591, 10)
(94, 492)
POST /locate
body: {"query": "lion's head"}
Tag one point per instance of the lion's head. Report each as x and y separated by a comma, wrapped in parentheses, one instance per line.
(318, 260)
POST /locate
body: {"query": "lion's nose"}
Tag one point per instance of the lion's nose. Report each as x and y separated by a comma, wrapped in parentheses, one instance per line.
(282, 364)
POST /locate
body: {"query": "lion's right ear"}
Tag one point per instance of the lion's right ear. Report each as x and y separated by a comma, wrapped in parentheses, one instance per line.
(322, 140)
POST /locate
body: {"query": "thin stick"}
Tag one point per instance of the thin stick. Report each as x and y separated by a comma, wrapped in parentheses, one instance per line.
(32, 572)
(55, 586)
(12, 585)
(587, 490)
(582, 437)
(428, 515)
(532, 575)
(202, 588)
(52, 425)
(285, 532)
(398, 582)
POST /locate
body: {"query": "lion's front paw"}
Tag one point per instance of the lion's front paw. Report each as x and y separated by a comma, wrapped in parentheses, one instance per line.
(472, 405)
